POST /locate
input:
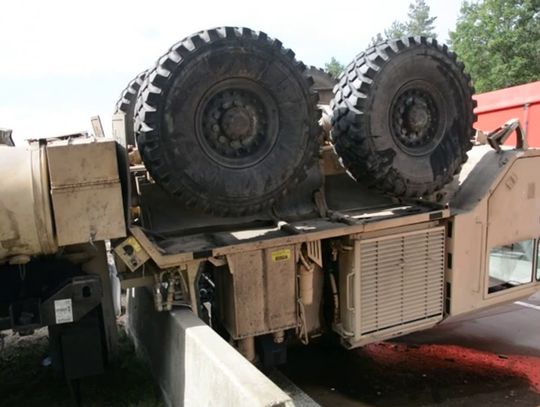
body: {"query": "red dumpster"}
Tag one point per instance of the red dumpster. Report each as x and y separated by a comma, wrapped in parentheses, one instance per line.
(520, 102)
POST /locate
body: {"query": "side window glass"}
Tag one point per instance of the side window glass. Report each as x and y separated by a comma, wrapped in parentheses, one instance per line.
(511, 265)
(538, 259)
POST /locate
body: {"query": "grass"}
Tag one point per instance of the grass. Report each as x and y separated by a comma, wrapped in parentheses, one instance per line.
(25, 382)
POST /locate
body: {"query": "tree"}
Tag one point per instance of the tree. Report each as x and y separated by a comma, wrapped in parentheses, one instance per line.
(419, 23)
(334, 68)
(499, 41)
(376, 40)
(396, 30)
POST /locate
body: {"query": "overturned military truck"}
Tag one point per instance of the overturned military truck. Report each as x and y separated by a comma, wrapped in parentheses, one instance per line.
(229, 188)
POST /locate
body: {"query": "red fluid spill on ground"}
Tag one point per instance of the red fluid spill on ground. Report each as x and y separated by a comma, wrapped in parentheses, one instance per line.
(430, 358)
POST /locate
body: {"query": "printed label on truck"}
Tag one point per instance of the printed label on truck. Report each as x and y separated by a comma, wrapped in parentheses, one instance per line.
(63, 311)
(281, 255)
(133, 242)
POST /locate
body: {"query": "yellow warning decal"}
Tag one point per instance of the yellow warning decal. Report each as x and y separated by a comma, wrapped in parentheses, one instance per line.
(281, 255)
(133, 242)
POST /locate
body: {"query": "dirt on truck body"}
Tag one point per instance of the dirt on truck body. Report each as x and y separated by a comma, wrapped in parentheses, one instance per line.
(227, 191)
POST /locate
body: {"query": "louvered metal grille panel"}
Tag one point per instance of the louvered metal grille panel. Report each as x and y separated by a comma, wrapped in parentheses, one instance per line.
(401, 279)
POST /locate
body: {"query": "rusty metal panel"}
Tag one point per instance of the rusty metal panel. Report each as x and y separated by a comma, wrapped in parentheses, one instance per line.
(258, 295)
(85, 189)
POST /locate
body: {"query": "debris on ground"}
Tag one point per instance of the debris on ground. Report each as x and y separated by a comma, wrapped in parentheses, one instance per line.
(25, 380)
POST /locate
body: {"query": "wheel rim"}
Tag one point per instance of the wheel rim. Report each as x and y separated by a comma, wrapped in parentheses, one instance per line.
(417, 121)
(236, 123)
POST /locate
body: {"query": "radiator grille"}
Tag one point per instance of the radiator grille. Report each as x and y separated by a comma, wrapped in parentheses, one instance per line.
(401, 279)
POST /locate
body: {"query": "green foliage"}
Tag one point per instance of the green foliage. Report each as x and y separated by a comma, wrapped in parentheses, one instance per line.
(376, 40)
(334, 67)
(419, 23)
(397, 29)
(499, 41)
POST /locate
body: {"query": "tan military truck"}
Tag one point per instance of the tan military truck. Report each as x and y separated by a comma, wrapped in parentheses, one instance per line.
(269, 228)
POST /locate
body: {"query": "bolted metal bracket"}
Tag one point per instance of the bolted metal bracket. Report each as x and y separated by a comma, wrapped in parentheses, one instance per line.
(498, 136)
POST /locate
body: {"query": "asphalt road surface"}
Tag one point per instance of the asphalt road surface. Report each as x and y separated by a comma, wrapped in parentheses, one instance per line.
(489, 359)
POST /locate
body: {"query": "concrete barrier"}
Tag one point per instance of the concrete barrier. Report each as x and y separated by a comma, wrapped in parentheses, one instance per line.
(192, 364)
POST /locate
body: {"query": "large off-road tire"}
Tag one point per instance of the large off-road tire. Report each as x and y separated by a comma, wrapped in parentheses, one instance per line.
(227, 121)
(126, 104)
(403, 116)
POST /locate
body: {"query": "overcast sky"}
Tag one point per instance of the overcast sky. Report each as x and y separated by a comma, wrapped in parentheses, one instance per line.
(66, 60)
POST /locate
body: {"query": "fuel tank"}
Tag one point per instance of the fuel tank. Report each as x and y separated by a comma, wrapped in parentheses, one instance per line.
(26, 220)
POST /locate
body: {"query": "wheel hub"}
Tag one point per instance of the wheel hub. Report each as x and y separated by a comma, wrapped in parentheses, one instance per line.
(415, 119)
(237, 123)
(418, 117)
